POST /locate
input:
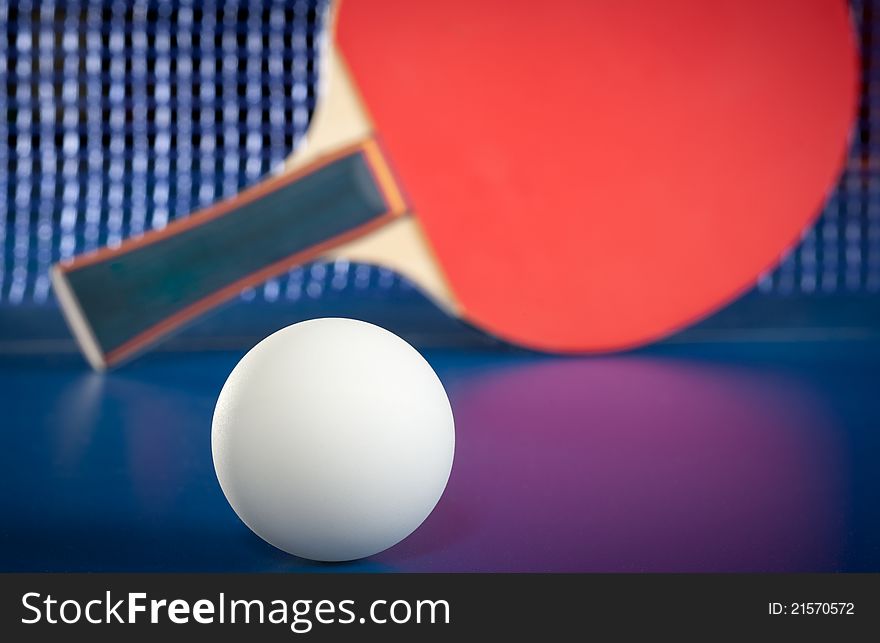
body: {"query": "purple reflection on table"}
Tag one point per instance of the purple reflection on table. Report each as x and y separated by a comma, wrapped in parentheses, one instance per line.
(634, 464)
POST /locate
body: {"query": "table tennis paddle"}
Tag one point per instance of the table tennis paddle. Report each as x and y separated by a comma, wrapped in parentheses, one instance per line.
(584, 176)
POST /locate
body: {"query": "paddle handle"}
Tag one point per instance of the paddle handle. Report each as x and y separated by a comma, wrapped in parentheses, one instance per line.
(119, 301)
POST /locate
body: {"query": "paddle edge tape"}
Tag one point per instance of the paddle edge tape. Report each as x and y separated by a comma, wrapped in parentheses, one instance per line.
(78, 319)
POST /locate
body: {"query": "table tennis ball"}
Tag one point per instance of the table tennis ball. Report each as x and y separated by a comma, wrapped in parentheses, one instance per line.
(333, 439)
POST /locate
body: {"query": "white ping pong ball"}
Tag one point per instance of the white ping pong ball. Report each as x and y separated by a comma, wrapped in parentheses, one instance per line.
(333, 439)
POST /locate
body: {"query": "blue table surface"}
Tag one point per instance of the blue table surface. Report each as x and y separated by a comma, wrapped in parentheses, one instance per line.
(701, 457)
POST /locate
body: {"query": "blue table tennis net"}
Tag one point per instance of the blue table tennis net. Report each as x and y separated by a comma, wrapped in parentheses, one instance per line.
(164, 136)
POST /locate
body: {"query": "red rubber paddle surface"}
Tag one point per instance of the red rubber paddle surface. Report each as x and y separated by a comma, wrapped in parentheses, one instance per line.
(594, 175)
